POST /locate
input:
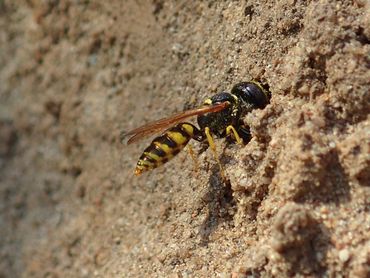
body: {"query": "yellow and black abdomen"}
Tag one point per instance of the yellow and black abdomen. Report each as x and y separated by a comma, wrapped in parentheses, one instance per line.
(166, 146)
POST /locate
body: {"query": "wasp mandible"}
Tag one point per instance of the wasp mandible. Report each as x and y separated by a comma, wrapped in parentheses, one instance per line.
(220, 116)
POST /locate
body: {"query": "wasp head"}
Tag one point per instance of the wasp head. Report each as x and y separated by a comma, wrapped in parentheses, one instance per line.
(252, 94)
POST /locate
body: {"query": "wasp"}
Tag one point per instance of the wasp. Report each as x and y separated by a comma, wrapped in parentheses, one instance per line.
(220, 116)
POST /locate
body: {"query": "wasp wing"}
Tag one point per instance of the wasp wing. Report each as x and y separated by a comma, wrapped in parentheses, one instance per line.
(159, 125)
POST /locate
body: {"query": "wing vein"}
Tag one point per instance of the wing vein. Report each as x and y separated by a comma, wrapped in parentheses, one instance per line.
(159, 125)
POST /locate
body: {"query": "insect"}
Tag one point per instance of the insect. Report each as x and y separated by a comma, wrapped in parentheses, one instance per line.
(220, 116)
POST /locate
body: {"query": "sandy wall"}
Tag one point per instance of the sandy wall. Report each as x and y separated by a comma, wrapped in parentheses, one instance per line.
(73, 74)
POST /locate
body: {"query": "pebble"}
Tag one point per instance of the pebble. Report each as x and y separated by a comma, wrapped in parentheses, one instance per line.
(344, 255)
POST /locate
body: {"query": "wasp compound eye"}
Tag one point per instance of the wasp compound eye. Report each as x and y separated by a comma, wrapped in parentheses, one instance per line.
(252, 93)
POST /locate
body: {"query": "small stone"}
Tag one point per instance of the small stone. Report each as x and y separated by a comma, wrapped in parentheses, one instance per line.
(344, 255)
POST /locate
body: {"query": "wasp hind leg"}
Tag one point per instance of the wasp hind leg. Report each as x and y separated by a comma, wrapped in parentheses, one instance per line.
(166, 146)
(192, 155)
(212, 145)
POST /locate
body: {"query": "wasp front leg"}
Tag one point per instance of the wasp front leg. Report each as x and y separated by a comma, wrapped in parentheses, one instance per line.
(230, 130)
(241, 134)
(166, 146)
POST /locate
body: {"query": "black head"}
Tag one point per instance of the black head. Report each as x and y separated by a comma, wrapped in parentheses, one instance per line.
(252, 94)
(222, 97)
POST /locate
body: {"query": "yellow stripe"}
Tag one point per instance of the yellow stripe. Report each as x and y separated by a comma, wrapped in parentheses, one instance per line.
(189, 129)
(159, 159)
(145, 163)
(177, 137)
(154, 156)
(208, 101)
(163, 147)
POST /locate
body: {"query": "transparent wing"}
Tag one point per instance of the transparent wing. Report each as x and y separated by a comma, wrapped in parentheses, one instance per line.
(159, 125)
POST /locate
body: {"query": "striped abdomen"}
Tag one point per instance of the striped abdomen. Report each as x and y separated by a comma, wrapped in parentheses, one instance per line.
(166, 146)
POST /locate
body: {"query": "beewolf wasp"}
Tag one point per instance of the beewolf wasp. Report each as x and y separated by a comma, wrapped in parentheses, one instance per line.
(220, 116)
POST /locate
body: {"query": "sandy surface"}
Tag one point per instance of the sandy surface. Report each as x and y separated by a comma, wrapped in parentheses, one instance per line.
(73, 74)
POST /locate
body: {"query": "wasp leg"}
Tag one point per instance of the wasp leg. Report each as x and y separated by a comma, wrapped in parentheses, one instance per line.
(192, 155)
(213, 148)
(230, 129)
(166, 146)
